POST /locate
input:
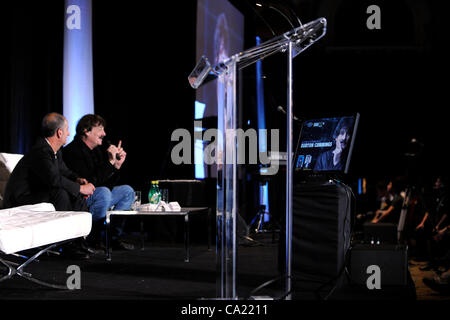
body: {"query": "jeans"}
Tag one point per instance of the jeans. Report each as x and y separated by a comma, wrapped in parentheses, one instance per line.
(121, 198)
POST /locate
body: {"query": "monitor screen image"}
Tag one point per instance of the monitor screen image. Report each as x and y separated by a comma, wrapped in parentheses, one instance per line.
(325, 144)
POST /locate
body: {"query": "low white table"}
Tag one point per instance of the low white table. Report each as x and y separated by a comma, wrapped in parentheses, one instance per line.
(185, 212)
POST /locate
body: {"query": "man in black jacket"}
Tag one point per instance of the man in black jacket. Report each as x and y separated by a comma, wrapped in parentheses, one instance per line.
(85, 156)
(42, 176)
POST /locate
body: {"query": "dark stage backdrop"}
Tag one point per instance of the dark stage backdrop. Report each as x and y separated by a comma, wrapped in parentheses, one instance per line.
(391, 76)
(143, 53)
(31, 36)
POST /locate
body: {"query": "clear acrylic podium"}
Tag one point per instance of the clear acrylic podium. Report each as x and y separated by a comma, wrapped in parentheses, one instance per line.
(227, 150)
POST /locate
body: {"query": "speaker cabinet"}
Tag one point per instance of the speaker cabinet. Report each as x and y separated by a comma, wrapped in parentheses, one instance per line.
(392, 261)
(383, 233)
(321, 231)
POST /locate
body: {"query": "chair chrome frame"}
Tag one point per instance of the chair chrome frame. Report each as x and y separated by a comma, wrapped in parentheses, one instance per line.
(14, 270)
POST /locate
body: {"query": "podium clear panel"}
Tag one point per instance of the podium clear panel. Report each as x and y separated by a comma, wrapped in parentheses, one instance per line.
(227, 183)
(225, 72)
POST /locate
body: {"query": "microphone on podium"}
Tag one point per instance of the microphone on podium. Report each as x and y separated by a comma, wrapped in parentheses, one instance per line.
(281, 109)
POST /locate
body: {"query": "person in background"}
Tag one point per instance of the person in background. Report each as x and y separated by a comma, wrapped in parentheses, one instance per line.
(438, 224)
(391, 205)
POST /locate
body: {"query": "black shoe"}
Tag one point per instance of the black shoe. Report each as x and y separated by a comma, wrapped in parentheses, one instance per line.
(72, 251)
(121, 245)
(91, 250)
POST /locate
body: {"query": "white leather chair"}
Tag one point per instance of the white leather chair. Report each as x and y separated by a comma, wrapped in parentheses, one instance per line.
(36, 226)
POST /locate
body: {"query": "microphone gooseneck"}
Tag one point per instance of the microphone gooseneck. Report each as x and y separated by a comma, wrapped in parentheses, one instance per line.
(281, 109)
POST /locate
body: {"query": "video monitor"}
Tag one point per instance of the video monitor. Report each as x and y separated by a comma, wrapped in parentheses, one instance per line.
(325, 144)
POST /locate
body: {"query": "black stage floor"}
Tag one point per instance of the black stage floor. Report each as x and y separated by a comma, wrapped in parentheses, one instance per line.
(157, 272)
(158, 276)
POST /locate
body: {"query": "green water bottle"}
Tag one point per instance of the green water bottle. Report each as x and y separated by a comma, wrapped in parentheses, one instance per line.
(154, 195)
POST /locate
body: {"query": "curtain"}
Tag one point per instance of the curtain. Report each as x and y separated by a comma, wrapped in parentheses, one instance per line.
(31, 69)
